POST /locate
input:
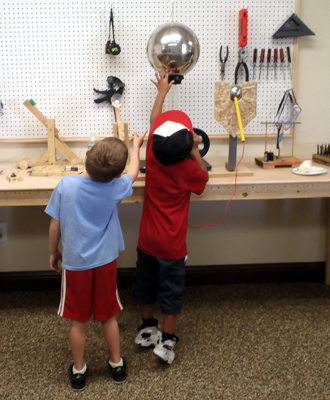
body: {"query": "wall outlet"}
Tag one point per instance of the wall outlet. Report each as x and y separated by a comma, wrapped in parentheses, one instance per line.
(3, 232)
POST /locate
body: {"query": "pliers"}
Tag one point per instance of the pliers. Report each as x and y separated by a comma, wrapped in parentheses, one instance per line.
(241, 63)
(223, 61)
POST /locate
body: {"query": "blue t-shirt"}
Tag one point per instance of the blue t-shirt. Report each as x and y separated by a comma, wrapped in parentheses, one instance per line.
(90, 227)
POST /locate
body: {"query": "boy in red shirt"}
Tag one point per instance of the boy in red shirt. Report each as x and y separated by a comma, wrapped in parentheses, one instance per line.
(162, 250)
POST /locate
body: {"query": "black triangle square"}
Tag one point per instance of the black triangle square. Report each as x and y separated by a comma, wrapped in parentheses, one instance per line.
(293, 27)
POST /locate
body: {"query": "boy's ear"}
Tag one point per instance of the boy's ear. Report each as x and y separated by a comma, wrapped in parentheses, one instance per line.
(118, 176)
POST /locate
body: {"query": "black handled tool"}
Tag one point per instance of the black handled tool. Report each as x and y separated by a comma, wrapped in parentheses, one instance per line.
(223, 61)
(288, 56)
(282, 61)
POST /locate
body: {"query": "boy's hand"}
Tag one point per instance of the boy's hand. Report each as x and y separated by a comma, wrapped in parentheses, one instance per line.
(197, 140)
(138, 139)
(163, 87)
(54, 259)
(195, 154)
(162, 83)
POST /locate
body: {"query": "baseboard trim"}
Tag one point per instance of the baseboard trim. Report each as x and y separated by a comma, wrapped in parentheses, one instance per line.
(199, 275)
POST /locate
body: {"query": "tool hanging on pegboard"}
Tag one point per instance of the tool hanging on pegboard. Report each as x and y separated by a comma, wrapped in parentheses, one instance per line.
(223, 60)
(112, 47)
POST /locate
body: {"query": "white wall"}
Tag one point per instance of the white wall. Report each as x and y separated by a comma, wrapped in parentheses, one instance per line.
(253, 231)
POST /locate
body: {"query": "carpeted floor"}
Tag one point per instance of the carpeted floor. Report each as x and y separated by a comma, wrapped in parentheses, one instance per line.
(251, 341)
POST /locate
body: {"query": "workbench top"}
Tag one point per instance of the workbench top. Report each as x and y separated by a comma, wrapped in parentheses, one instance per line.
(253, 182)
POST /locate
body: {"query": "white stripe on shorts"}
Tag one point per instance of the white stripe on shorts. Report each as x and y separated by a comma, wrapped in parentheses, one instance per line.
(118, 299)
(63, 293)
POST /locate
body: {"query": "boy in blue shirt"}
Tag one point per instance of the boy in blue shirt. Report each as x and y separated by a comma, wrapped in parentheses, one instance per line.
(84, 214)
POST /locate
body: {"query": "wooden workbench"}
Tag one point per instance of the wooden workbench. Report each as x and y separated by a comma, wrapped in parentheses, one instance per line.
(254, 183)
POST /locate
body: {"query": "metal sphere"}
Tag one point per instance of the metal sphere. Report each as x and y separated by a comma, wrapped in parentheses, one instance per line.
(173, 46)
(236, 91)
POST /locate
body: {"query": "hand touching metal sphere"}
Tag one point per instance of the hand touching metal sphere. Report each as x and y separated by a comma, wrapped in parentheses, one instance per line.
(173, 46)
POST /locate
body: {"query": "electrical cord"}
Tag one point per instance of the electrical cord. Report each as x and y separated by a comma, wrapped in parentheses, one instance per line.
(227, 205)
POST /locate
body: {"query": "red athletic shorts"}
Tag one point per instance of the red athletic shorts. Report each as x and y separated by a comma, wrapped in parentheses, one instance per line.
(92, 290)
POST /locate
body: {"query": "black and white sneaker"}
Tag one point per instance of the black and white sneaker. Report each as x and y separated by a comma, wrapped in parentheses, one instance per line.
(118, 373)
(78, 381)
(148, 337)
(165, 350)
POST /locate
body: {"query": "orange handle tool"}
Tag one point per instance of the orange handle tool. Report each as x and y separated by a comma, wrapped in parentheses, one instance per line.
(243, 27)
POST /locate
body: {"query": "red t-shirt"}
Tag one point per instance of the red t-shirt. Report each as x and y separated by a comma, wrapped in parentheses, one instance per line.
(164, 222)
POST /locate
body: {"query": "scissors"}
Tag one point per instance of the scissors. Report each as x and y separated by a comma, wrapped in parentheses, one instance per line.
(223, 61)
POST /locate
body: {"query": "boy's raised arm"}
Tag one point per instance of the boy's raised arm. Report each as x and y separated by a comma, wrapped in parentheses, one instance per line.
(133, 169)
(163, 86)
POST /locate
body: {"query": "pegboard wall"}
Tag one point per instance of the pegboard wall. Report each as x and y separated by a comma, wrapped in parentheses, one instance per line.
(54, 53)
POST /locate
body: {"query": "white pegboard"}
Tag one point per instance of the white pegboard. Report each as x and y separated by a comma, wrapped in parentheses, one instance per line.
(54, 53)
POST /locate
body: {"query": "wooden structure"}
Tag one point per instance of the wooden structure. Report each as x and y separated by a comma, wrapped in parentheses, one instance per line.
(278, 162)
(47, 164)
(118, 132)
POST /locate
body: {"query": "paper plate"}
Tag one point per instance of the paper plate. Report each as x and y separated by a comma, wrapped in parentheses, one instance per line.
(311, 171)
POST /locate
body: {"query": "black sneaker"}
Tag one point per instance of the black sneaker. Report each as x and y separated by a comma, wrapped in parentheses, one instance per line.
(118, 373)
(78, 381)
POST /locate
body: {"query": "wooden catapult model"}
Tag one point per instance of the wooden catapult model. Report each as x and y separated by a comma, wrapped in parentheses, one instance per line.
(47, 164)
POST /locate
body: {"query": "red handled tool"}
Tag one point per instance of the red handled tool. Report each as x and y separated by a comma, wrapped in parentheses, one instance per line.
(243, 27)
(275, 61)
(255, 55)
(243, 24)
(269, 57)
(261, 62)
(282, 61)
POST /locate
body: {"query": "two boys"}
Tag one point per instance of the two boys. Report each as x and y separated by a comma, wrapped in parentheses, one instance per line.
(84, 213)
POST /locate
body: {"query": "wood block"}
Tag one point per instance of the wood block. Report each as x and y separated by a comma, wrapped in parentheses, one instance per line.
(58, 170)
(25, 163)
(283, 163)
(14, 178)
(321, 159)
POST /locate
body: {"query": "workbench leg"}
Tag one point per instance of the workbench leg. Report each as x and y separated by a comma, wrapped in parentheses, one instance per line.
(327, 248)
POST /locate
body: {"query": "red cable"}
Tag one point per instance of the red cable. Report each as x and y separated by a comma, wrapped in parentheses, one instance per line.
(210, 225)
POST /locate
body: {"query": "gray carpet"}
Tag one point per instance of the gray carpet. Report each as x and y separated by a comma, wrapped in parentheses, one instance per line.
(255, 341)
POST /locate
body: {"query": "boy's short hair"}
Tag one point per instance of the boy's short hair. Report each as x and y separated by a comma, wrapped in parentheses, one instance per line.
(172, 137)
(106, 159)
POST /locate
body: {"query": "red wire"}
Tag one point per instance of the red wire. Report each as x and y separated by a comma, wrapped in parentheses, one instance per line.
(206, 225)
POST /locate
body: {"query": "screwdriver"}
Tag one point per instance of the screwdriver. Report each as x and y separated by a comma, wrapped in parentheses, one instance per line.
(288, 56)
(275, 61)
(262, 57)
(269, 57)
(255, 55)
(282, 61)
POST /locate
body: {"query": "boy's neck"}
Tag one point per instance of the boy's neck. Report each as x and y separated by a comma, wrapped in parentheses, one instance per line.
(86, 174)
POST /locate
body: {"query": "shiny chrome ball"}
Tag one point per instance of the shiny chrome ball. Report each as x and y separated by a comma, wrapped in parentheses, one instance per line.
(173, 46)
(236, 91)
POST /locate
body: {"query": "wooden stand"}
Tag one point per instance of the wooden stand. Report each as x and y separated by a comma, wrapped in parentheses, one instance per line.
(283, 162)
(321, 159)
(47, 165)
